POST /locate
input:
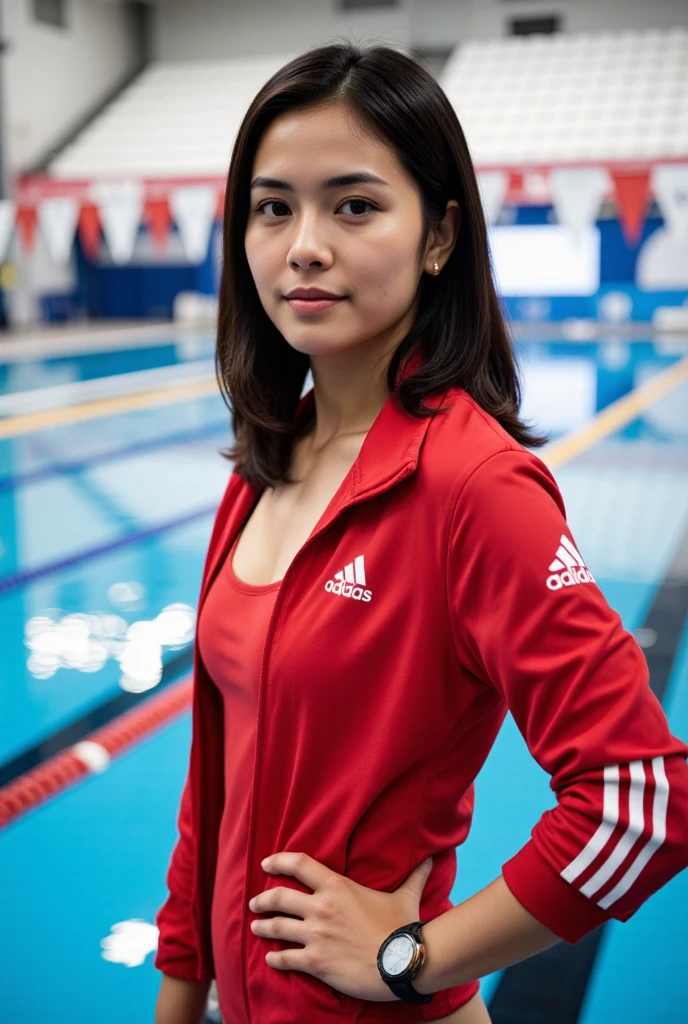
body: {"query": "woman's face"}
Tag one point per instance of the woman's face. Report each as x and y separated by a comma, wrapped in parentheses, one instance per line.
(357, 239)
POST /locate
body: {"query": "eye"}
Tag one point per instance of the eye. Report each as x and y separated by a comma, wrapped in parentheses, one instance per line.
(270, 202)
(360, 202)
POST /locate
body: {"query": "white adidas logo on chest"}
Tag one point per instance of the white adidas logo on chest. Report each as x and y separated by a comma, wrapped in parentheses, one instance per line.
(350, 582)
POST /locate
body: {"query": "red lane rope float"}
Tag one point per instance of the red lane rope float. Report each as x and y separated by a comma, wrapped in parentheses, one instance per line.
(93, 754)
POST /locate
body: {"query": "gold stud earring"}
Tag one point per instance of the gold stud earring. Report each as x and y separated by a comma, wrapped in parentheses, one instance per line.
(436, 268)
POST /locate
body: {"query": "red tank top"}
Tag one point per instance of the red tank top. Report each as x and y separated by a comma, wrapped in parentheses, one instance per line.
(231, 635)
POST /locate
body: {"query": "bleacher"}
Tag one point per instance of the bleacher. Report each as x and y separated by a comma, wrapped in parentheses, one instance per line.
(176, 120)
(521, 100)
(559, 98)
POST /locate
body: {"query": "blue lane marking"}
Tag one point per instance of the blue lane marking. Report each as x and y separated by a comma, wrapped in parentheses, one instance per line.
(14, 481)
(23, 577)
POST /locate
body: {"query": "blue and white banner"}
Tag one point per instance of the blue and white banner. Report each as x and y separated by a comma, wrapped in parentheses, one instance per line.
(545, 259)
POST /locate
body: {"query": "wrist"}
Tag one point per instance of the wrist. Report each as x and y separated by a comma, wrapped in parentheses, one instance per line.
(423, 979)
(486, 933)
(432, 976)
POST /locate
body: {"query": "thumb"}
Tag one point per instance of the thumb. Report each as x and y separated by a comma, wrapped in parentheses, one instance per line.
(418, 877)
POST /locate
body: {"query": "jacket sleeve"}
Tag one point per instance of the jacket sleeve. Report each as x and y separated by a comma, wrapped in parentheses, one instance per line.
(529, 620)
(177, 953)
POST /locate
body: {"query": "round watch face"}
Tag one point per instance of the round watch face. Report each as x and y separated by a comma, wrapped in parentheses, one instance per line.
(398, 954)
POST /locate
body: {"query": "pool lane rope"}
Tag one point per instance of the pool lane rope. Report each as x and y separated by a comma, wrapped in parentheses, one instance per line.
(93, 755)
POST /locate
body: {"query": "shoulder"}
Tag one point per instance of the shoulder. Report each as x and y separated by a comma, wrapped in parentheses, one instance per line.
(468, 453)
(462, 437)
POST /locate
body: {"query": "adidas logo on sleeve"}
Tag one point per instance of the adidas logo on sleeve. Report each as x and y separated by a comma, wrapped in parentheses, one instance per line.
(350, 582)
(568, 559)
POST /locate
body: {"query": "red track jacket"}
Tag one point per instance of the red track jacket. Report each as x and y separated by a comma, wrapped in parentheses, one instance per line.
(441, 588)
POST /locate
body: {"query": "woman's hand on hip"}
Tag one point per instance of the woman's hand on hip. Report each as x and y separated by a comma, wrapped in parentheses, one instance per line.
(342, 924)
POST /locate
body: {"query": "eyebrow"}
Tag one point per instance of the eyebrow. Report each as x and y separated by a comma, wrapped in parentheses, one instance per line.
(340, 181)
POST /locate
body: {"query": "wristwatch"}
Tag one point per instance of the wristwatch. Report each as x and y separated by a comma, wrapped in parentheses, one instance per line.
(399, 959)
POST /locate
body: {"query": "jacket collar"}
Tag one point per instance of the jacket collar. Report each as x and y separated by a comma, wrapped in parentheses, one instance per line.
(391, 448)
(389, 454)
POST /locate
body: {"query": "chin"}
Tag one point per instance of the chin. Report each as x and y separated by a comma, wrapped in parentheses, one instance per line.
(321, 347)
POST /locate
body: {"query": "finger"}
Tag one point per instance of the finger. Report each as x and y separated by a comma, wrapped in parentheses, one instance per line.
(282, 898)
(291, 960)
(308, 870)
(286, 929)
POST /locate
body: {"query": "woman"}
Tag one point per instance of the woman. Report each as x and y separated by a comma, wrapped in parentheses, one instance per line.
(390, 570)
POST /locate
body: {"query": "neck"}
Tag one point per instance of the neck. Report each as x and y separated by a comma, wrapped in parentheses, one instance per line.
(350, 389)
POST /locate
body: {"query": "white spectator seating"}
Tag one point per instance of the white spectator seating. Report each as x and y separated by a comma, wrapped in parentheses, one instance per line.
(563, 98)
(175, 120)
(521, 100)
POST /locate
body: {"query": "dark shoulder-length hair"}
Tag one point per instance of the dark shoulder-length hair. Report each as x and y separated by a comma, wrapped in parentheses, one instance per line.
(459, 328)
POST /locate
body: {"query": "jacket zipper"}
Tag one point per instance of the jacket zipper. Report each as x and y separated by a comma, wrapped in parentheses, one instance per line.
(408, 469)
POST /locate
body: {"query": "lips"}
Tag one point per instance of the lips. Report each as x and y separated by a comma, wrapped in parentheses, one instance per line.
(312, 300)
(314, 305)
(311, 293)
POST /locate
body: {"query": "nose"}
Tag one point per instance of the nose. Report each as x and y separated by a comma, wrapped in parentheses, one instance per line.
(309, 247)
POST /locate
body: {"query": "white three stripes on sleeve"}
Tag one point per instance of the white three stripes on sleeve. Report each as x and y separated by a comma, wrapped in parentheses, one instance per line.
(659, 814)
(637, 828)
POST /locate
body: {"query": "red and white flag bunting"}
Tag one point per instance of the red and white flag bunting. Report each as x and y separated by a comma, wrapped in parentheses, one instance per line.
(632, 195)
(7, 210)
(158, 220)
(120, 205)
(577, 194)
(57, 220)
(193, 208)
(493, 186)
(121, 208)
(670, 186)
(89, 231)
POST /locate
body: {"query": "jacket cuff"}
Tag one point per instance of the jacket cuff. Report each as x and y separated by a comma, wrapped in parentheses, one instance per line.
(545, 894)
(184, 970)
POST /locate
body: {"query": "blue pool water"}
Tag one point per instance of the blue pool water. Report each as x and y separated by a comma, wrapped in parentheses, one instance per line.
(112, 517)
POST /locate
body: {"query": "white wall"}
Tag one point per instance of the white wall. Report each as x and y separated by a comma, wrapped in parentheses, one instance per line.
(52, 77)
(219, 28)
(222, 28)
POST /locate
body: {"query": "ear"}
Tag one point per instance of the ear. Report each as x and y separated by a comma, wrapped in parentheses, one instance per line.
(442, 238)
